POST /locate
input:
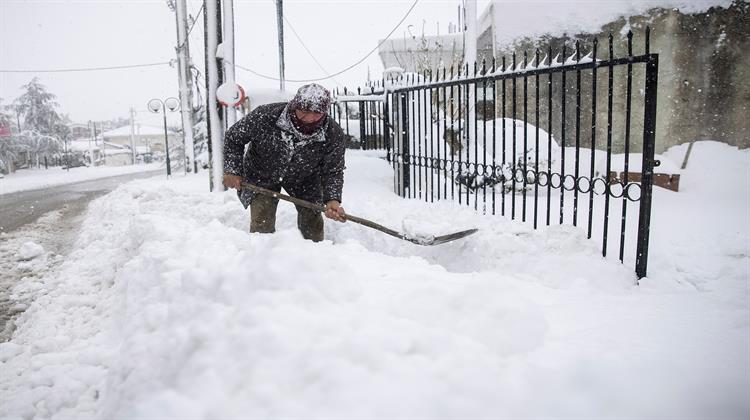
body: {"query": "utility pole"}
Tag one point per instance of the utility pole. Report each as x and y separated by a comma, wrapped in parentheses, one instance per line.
(186, 91)
(103, 147)
(280, 24)
(132, 133)
(228, 57)
(92, 133)
(214, 124)
(470, 35)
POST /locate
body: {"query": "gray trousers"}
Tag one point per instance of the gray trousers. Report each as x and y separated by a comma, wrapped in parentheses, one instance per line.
(263, 218)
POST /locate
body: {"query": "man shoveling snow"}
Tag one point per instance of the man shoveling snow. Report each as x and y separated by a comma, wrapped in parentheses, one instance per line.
(294, 146)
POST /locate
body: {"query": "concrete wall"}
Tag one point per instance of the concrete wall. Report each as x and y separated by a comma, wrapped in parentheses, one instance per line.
(703, 89)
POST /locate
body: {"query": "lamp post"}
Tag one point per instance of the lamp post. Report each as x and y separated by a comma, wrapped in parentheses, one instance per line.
(171, 104)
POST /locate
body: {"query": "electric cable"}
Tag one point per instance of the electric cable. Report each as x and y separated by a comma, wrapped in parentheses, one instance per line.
(130, 66)
(408, 12)
(299, 38)
(192, 25)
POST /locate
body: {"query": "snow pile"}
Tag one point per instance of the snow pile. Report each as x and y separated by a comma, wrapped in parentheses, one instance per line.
(29, 250)
(184, 314)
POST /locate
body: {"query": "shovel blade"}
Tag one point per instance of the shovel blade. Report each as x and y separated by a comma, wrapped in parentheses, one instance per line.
(437, 240)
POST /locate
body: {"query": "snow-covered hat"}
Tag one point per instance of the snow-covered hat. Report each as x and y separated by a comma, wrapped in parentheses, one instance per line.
(313, 98)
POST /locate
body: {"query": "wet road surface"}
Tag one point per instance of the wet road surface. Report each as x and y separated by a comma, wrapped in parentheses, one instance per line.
(24, 207)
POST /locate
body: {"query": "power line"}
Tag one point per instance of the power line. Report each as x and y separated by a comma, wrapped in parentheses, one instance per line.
(130, 66)
(346, 69)
(197, 16)
(299, 38)
(191, 26)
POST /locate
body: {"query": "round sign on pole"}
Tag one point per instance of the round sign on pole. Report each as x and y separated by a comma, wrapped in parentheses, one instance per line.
(230, 94)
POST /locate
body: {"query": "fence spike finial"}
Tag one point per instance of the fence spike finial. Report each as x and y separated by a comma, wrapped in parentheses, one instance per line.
(630, 43)
(549, 54)
(525, 60)
(484, 66)
(359, 91)
(648, 39)
(494, 63)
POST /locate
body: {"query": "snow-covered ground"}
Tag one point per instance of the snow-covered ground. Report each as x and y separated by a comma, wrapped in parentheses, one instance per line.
(183, 314)
(30, 179)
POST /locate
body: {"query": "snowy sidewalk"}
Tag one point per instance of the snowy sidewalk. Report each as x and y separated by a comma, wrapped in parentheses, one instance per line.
(172, 310)
(30, 179)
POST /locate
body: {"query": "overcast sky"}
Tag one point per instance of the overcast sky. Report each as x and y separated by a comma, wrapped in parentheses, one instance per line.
(38, 35)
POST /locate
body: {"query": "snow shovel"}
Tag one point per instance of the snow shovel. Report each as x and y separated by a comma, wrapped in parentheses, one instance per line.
(419, 240)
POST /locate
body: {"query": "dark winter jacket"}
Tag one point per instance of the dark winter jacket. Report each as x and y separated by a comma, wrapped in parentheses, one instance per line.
(310, 167)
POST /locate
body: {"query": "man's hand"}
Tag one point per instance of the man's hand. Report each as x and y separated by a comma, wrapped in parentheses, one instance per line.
(232, 181)
(334, 211)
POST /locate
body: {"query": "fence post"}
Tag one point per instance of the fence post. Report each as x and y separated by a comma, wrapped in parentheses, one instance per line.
(405, 153)
(362, 131)
(647, 168)
(386, 127)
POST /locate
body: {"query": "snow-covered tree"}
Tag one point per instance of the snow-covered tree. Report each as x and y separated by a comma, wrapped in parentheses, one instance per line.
(5, 117)
(200, 136)
(37, 107)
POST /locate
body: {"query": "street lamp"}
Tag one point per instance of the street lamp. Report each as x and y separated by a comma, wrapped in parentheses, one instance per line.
(171, 104)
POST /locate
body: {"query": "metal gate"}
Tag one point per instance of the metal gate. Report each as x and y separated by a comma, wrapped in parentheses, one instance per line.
(549, 137)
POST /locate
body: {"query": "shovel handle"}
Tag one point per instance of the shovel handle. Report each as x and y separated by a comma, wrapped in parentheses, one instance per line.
(322, 209)
(364, 222)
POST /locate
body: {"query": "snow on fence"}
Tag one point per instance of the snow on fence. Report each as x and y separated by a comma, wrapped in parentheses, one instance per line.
(519, 136)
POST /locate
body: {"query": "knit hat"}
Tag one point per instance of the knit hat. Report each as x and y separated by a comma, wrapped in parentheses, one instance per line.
(313, 98)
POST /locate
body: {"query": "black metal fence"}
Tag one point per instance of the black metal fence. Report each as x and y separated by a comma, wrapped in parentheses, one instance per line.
(363, 119)
(487, 136)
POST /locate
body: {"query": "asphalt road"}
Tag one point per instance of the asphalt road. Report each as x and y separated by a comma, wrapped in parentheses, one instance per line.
(24, 207)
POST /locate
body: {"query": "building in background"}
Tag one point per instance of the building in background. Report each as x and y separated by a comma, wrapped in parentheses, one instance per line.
(703, 61)
(148, 137)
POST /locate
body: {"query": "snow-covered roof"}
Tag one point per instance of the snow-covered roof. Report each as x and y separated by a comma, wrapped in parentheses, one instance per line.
(83, 145)
(108, 152)
(258, 97)
(534, 18)
(78, 145)
(145, 130)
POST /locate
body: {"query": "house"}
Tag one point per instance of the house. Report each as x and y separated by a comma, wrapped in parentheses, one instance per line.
(144, 136)
(86, 151)
(78, 130)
